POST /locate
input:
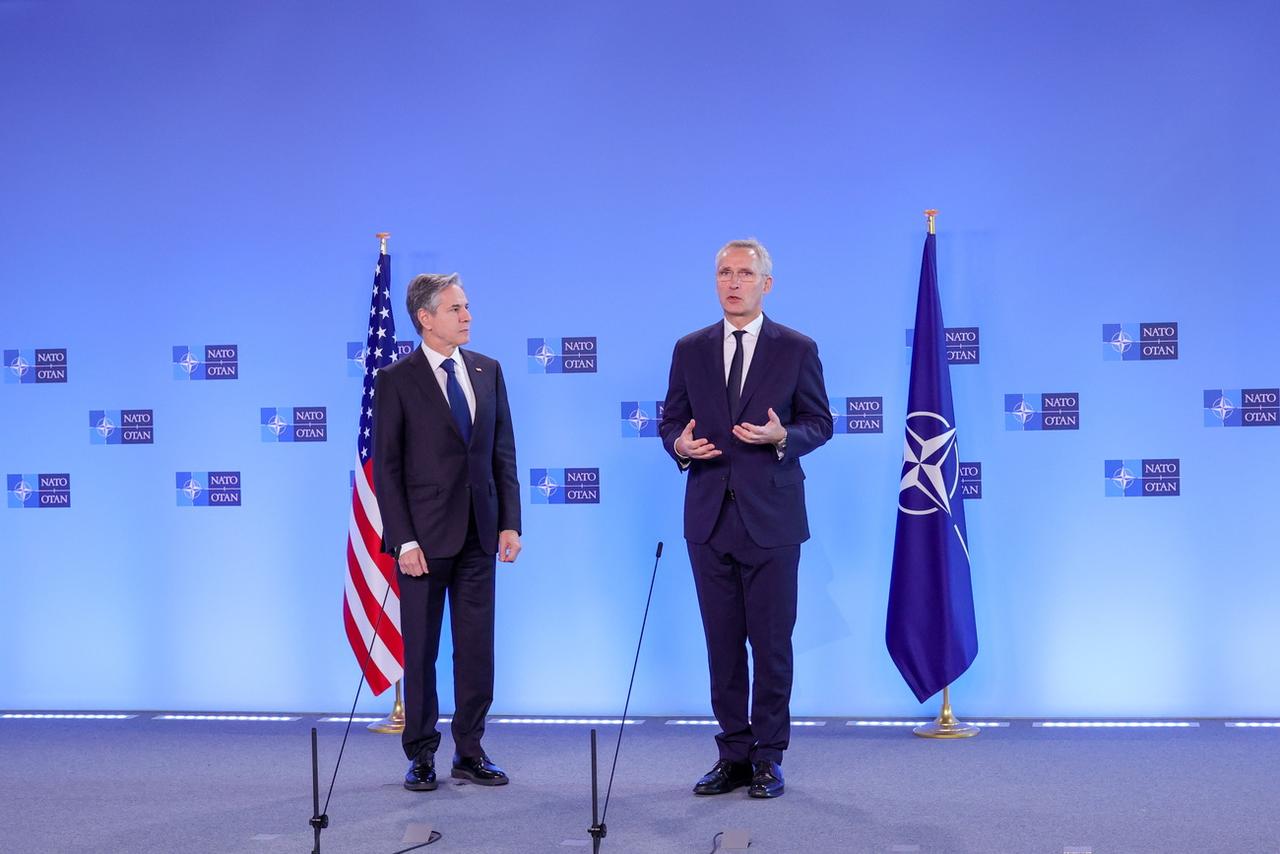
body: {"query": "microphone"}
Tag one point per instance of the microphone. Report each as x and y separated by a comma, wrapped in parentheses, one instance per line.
(659, 554)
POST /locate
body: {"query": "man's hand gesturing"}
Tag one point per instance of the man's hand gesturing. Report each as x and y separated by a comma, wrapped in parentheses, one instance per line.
(694, 449)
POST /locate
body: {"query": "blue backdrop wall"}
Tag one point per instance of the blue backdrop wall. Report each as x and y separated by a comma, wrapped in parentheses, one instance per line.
(177, 176)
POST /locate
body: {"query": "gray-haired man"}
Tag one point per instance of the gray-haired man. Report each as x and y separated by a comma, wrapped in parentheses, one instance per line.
(445, 476)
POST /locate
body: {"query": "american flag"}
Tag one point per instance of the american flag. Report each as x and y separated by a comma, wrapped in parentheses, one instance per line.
(370, 572)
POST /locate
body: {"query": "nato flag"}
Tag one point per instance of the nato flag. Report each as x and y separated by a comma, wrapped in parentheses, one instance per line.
(931, 633)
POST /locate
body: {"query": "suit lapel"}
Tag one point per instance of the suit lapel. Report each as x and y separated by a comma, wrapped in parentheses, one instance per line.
(482, 386)
(713, 359)
(425, 379)
(761, 362)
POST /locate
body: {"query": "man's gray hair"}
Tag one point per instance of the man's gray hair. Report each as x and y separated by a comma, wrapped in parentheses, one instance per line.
(424, 292)
(764, 264)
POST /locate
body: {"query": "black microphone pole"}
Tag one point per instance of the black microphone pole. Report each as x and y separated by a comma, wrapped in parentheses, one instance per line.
(598, 829)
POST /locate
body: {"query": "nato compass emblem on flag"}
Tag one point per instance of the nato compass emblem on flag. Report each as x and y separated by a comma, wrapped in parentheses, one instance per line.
(930, 468)
(46, 365)
(563, 355)
(1139, 342)
(640, 418)
(1242, 407)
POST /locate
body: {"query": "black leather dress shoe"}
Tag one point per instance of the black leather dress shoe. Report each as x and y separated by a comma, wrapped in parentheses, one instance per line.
(479, 770)
(766, 780)
(421, 776)
(724, 776)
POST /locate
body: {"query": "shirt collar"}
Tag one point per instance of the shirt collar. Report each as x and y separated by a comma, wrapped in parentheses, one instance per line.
(752, 328)
(436, 360)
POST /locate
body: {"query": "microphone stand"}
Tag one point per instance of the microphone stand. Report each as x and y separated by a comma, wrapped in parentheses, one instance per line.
(598, 829)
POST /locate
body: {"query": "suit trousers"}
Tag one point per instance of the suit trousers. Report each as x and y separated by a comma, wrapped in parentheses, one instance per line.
(467, 580)
(747, 594)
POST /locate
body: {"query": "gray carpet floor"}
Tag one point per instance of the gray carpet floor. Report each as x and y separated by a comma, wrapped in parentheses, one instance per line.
(143, 786)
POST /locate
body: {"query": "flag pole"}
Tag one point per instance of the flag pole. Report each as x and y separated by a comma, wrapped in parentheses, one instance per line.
(946, 725)
(393, 723)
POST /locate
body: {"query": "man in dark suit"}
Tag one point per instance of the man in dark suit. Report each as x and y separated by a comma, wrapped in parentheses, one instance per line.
(445, 476)
(745, 401)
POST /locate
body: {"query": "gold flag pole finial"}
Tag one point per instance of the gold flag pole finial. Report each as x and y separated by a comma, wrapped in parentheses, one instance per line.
(931, 213)
(947, 725)
(394, 722)
(382, 241)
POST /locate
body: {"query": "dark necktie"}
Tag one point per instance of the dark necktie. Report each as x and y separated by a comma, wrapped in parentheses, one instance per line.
(734, 387)
(457, 400)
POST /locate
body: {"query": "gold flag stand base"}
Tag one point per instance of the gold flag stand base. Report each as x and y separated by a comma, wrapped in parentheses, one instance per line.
(946, 725)
(393, 723)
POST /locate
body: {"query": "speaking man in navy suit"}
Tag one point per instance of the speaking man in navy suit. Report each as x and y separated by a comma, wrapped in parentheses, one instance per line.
(744, 403)
(445, 476)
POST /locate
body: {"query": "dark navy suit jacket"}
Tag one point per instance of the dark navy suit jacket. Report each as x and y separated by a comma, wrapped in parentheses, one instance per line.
(426, 478)
(785, 375)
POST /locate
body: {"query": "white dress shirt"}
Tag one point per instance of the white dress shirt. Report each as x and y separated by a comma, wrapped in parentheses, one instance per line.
(749, 340)
(442, 378)
(460, 371)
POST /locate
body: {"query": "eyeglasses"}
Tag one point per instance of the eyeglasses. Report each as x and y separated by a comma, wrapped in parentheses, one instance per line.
(745, 276)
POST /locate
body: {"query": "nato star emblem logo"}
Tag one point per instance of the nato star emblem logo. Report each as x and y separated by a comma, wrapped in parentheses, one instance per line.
(930, 470)
(276, 424)
(638, 419)
(547, 486)
(1222, 407)
(23, 490)
(188, 362)
(1022, 412)
(19, 366)
(1121, 342)
(1123, 478)
(544, 355)
(191, 489)
(104, 427)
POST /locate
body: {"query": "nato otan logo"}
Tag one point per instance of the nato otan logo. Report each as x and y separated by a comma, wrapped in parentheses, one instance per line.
(850, 415)
(1139, 342)
(207, 362)
(208, 488)
(963, 343)
(564, 486)
(970, 481)
(640, 418)
(356, 354)
(121, 427)
(1050, 411)
(562, 355)
(293, 424)
(1143, 478)
(39, 491)
(1241, 407)
(46, 365)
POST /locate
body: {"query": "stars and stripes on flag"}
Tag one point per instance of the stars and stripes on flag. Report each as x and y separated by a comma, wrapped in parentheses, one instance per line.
(931, 631)
(371, 575)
